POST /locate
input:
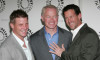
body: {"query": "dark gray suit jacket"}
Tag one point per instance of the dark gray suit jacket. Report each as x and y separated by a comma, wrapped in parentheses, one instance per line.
(11, 50)
(40, 47)
(84, 46)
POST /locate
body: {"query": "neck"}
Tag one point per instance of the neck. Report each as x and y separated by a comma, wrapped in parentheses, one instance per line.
(51, 31)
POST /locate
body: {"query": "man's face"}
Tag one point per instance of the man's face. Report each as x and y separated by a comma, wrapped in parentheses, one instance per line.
(20, 27)
(50, 18)
(72, 20)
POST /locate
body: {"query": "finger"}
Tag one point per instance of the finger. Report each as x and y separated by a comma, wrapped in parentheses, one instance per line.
(56, 45)
(53, 46)
(52, 52)
(62, 45)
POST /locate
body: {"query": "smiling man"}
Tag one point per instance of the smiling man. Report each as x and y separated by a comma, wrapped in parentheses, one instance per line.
(16, 46)
(40, 41)
(85, 41)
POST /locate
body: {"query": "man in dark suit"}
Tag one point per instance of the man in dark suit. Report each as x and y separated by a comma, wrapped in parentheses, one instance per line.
(15, 46)
(85, 41)
(40, 41)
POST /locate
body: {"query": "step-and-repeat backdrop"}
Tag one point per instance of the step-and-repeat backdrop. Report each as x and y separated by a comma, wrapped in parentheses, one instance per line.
(90, 12)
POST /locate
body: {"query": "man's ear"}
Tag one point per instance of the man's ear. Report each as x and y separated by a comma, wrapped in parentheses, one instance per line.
(12, 25)
(42, 20)
(80, 16)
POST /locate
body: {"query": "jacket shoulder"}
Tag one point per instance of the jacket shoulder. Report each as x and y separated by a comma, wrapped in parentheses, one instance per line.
(89, 30)
(65, 31)
(6, 42)
(35, 34)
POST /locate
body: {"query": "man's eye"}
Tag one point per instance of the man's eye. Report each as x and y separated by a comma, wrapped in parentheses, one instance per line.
(55, 17)
(48, 17)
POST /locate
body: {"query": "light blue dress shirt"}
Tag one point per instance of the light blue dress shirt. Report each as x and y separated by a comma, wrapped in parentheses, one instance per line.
(50, 39)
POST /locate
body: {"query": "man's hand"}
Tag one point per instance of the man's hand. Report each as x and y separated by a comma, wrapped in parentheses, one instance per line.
(56, 49)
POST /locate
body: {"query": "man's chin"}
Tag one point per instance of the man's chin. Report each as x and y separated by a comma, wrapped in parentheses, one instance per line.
(24, 35)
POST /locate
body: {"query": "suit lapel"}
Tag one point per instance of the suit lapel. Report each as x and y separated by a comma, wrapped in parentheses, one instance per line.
(44, 44)
(43, 39)
(76, 38)
(16, 44)
(78, 35)
(60, 40)
(16, 51)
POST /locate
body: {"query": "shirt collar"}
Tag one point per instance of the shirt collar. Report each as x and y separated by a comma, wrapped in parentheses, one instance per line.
(19, 40)
(47, 32)
(74, 32)
(78, 28)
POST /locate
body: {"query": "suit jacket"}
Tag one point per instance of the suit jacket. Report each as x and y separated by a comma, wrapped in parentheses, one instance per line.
(84, 46)
(11, 50)
(40, 47)
(98, 54)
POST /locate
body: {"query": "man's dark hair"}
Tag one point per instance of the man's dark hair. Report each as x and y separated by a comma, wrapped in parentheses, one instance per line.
(17, 14)
(71, 6)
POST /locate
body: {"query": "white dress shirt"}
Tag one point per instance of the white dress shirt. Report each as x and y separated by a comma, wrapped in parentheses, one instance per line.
(74, 32)
(26, 50)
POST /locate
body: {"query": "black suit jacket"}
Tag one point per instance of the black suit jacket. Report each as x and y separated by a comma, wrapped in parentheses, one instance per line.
(40, 47)
(84, 45)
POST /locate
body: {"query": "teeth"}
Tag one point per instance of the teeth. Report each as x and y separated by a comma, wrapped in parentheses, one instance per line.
(71, 23)
(23, 31)
(51, 23)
